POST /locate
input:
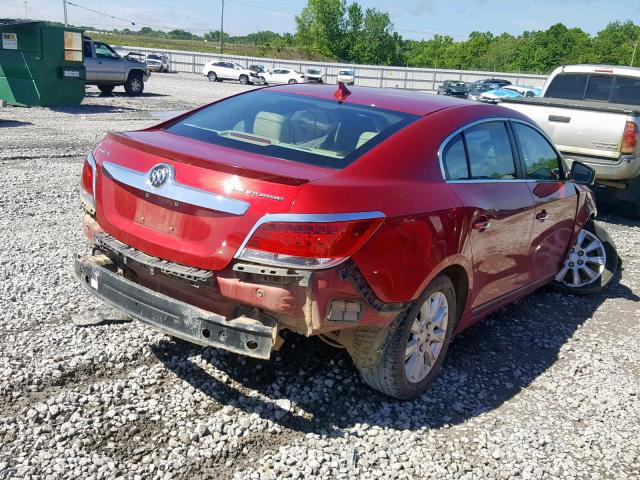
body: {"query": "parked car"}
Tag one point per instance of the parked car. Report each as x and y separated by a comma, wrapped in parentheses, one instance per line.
(494, 96)
(453, 88)
(592, 113)
(284, 208)
(524, 90)
(348, 77)
(476, 89)
(281, 75)
(314, 75)
(257, 68)
(157, 63)
(107, 69)
(219, 71)
(498, 81)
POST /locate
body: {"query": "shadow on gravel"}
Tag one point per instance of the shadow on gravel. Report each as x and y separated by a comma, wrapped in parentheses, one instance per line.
(487, 365)
(13, 123)
(122, 95)
(93, 109)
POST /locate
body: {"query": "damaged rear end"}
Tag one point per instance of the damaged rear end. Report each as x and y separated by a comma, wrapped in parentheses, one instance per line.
(194, 229)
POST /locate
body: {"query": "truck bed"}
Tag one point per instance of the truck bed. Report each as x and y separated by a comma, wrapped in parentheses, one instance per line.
(577, 104)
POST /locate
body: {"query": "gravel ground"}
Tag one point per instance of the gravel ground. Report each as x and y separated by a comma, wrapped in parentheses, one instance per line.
(547, 388)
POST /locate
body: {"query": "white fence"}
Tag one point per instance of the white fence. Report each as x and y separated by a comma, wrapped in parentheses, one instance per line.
(367, 75)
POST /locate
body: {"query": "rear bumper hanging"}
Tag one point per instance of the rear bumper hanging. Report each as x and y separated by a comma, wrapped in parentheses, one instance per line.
(241, 335)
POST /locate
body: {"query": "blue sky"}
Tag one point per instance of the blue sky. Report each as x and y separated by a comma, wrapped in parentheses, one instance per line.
(412, 18)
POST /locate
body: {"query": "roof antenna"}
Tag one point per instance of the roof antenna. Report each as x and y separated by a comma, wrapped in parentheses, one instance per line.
(342, 92)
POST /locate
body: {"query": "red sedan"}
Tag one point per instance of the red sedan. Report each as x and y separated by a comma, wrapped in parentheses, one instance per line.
(384, 221)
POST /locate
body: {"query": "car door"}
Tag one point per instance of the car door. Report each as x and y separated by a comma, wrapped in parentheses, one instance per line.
(90, 62)
(555, 203)
(110, 65)
(480, 165)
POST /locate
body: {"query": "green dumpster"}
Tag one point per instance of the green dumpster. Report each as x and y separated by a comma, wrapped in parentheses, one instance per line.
(40, 64)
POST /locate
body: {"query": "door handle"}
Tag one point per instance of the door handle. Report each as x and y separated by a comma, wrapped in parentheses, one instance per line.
(559, 118)
(481, 225)
(542, 216)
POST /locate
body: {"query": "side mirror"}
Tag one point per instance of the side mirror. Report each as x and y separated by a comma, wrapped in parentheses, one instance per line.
(582, 174)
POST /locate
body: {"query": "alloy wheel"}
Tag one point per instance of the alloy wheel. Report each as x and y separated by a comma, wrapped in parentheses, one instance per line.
(426, 337)
(585, 263)
(136, 85)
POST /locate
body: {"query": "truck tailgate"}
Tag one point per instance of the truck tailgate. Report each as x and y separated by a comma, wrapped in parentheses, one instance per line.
(578, 127)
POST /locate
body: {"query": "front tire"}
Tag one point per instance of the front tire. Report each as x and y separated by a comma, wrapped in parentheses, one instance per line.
(292, 80)
(591, 263)
(134, 86)
(416, 344)
(243, 79)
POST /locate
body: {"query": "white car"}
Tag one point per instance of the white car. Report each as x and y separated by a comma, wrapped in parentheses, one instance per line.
(219, 71)
(157, 63)
(281, 75)
(346, 76)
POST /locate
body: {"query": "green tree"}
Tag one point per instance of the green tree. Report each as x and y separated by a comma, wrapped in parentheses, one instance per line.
(320, 27)
(375, 44)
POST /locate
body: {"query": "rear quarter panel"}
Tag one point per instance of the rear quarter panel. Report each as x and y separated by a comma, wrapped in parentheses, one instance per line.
(425, 229)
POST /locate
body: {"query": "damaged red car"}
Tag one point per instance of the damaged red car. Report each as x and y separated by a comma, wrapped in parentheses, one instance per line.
(384, 221)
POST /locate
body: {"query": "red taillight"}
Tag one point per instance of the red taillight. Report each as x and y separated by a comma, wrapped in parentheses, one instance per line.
(308, 244)
(87, 185)
(87, 178)
(629, 138)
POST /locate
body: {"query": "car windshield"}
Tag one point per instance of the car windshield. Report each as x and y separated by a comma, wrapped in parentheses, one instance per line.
(299, 128)
(314, 71)
(153, 57)
(345, 72)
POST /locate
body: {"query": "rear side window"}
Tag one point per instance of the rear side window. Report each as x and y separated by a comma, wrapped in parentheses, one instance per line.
(455, 160)
(541, 160)
(568, 85)
(481, 152)
(599, 88)
(489, 150)
(299, 128)
(626, 90)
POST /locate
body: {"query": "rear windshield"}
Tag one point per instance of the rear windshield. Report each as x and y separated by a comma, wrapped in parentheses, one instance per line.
(299, 128)
(596, 87)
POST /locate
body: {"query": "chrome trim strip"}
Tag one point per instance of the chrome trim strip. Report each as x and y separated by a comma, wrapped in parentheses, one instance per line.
(446, 141)
(306, 217)
(176, 191)
(92, 162)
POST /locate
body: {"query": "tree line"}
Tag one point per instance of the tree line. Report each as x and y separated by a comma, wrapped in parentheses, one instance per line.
(335, 30)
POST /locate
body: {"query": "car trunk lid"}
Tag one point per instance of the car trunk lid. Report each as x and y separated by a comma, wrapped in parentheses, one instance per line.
(200, 214)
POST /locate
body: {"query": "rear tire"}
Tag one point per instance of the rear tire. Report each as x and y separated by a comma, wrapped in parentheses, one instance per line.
(412, 354)
(212, 76)
(106, 89)
(593, 242)
(292, 80)
(134, 86)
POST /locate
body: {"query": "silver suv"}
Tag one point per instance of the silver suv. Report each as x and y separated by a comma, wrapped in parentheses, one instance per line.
(106, 69)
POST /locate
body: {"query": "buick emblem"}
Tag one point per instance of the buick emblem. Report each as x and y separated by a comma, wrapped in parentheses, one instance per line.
(159, 175)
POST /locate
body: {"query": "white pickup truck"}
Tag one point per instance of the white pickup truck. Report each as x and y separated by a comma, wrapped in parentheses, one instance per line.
(592, 114)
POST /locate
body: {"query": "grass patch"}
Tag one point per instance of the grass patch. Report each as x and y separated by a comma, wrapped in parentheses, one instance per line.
(285, 53)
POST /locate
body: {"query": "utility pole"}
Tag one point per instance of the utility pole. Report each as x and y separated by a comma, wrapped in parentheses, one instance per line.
(64, 3)
(222, 28)
(633, 57)
(26, 14)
